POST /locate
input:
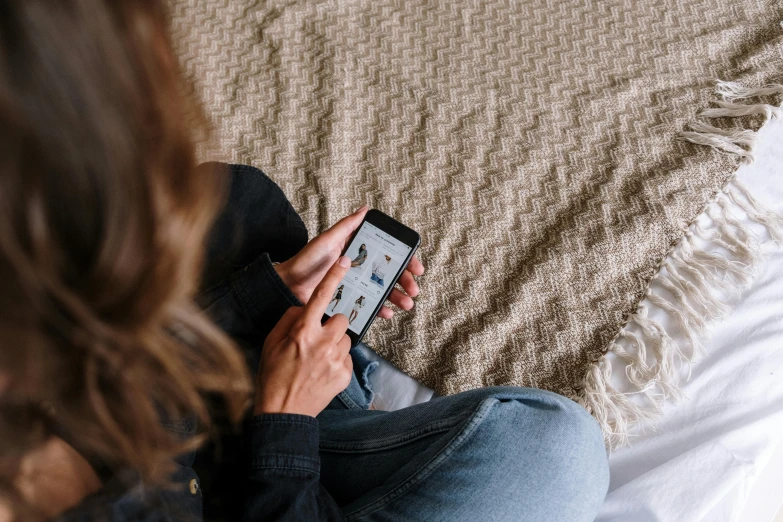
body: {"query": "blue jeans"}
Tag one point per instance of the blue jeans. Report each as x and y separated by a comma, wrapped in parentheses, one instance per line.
(491, 454)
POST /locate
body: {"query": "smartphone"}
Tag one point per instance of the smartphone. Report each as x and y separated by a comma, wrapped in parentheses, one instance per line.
(379, 251)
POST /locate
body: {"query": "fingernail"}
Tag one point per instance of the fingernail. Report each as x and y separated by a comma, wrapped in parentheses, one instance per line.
(363, 207)
(345, 261)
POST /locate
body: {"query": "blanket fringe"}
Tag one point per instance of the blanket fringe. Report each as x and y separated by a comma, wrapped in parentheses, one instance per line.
(738, 142)
(709, 265)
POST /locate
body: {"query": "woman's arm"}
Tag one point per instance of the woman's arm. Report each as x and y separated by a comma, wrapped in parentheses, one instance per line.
(248, 304)
(276, 477)
(283, 476)
(304, 365)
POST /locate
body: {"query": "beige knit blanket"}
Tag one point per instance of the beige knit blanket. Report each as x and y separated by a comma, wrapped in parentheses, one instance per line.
(537, 147)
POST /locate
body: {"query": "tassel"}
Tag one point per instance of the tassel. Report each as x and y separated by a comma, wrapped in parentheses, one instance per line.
(741, 197)
(733, 110)
(711, 263)
(718, 142)
(731, 91)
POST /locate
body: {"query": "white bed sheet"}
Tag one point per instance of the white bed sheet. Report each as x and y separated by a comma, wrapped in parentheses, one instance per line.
(702, 459)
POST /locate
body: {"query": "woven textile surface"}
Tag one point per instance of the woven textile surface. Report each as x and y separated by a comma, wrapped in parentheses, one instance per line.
(533, 144)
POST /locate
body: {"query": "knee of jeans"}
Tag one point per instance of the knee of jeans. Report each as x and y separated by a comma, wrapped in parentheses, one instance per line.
(569, 440)
(575, 426)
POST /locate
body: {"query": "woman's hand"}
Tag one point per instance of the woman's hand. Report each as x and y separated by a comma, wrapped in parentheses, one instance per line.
(304, 271)
(304, 364)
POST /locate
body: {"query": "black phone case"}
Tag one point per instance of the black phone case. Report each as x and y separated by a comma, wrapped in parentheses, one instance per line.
(402, 233)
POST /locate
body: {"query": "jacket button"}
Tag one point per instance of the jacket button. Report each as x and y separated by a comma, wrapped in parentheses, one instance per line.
(193, 487)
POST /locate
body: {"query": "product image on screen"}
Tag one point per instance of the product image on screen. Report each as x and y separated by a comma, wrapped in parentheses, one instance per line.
(376, 257)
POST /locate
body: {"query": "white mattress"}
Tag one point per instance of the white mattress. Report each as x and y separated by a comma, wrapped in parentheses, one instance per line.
(703, 459)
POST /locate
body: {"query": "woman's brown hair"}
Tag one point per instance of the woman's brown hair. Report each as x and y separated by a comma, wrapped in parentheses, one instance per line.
(102, 225)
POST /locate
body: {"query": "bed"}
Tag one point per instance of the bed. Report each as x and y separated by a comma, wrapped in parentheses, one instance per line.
(707, 458)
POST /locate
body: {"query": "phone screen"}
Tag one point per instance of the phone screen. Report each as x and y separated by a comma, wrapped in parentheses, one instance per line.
(376, 258)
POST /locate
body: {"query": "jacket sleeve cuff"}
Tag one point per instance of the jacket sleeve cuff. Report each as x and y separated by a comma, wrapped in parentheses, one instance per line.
(284, 442)
(261, 292)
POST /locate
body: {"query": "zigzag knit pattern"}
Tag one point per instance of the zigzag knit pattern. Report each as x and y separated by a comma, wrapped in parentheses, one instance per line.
(532, 143)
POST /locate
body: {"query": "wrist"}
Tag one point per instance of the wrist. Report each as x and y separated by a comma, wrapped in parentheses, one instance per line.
(283, 270)
(270, 406)
(265, 404)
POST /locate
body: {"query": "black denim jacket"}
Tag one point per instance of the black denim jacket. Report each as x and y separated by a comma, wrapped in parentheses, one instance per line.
(270, 470)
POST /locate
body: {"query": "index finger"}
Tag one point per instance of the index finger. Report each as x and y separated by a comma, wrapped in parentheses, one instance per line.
(347, 225)
(322, 295)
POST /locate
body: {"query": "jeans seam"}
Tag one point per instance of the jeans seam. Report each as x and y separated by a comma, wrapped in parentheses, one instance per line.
(391, 442)
(478, 416)
(348, 401)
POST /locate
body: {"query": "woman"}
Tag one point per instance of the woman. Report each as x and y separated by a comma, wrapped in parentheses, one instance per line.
(337, 296)
(379, 270)
(111, 377)
(358, 305)
(361, 257)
